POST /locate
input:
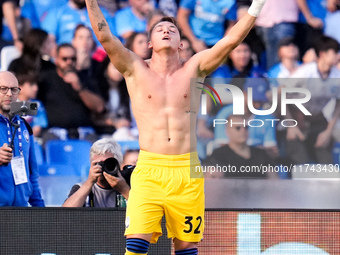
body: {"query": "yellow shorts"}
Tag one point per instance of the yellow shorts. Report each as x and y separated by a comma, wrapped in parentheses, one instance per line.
(166, 184)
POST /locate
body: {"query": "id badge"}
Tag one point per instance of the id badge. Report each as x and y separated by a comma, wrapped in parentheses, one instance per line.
(19, 170)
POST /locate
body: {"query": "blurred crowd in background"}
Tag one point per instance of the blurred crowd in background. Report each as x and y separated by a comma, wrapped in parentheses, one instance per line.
(50, 47)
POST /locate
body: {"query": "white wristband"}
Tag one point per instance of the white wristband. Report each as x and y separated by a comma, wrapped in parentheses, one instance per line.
(256, 7)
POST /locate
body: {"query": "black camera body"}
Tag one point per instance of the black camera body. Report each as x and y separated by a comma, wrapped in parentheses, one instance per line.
(23, 108)
(126, 173)
(111, 166)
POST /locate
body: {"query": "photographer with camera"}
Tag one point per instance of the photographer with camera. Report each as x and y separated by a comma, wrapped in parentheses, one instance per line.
(18, 166)
(105, 180)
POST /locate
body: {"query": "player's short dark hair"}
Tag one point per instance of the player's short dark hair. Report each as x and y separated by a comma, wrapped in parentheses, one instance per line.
(325, 43)
(168, 19)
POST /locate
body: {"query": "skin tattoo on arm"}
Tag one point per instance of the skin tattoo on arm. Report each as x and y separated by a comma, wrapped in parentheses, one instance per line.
(101, 25)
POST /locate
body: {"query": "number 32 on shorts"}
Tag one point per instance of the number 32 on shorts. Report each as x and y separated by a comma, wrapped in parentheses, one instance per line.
(193, 224)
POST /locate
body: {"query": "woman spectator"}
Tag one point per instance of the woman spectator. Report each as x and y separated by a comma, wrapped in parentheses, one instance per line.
(90, 72)
(38, 49)
(84, 44)
(138, 43)
(86, 65)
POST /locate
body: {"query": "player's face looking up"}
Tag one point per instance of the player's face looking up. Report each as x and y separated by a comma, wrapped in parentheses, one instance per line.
(165, 34)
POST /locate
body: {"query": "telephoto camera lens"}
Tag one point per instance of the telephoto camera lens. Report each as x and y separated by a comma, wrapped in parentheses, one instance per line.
(111, 166)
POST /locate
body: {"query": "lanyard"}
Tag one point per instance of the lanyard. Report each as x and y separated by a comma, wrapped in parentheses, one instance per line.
(9, 135)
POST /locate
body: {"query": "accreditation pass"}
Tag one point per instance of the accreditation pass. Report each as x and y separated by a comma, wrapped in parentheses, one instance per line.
(19, 170)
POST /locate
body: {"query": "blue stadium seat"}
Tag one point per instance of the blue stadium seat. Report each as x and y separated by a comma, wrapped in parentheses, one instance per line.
(8, 53)
(56, 181)
(55, 189)
(73, 153)
(39, 154)
(336, 153)
(57, 170)
(128, 145)
(67, 163)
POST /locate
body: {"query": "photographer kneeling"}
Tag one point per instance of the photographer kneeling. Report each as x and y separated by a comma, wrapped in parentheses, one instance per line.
(105, 179)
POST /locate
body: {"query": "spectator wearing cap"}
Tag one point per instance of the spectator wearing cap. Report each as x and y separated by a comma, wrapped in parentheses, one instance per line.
(288, 53)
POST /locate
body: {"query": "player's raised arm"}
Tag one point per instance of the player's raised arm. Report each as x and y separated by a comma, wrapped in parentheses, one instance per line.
(120, 57)
(210, 59)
